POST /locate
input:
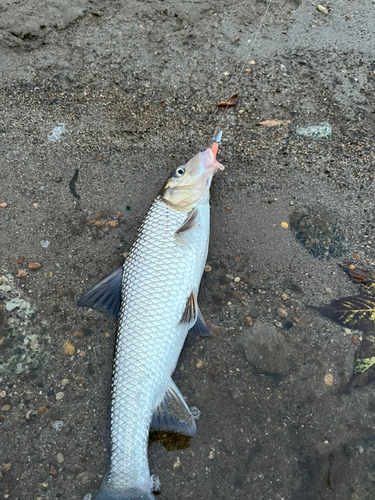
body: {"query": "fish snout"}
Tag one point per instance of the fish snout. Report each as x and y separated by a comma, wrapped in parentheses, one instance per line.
(209, 161)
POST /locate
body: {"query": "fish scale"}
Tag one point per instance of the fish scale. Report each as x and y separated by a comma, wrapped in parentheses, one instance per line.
(159, 274)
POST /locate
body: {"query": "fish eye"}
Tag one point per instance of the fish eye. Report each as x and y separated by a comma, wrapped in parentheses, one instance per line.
(180, 171)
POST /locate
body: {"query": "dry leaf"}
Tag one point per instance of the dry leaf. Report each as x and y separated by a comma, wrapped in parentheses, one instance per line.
(274, 123)
(230, 102)
(21, 273)
(20, 260)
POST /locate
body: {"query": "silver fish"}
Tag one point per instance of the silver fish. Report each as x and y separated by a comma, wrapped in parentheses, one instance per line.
(154, 296)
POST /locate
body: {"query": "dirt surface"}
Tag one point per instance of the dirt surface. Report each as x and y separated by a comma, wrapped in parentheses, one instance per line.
(99, 101)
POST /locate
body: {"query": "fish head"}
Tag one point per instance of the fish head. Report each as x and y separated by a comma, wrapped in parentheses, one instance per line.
(190, 184)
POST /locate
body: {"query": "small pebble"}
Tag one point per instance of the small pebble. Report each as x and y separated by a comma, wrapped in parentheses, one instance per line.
(284, 296)
(351, 266)
(284, 225)
(3, 205)
(53, 471)
(278, 324)
(282, 312)
(328, 379)
(33, 266)
(69, 348)
(59, 395)
(5, 408)
(237, 279)
(199, 363)
(99, 223)
(6, 467)
(355, 340)
(262, 292)
(58, 425)
(211, 455)
(177, 463)
(3, 394)
(31, 414)
(347, 331)
(107, 335)
(357, 257)
(42, 409)
(60, 458)
(207, 268)
(44, 485)
(77, 333)
(322, 9)
(35, 205)
(113, 223)
(248, 321)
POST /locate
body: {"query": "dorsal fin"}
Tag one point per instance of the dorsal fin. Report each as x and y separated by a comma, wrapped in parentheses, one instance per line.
(105, 296)
(189, 223)
(173, 414)
(191, 310)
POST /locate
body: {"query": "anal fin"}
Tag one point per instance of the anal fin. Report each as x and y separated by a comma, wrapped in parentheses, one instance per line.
(200, 329)
(173, 414)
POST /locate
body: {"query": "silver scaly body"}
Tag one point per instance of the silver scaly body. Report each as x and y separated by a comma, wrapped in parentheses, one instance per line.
(160, 273)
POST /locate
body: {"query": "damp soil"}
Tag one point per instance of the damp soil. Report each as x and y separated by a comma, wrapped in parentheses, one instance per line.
(99, 101)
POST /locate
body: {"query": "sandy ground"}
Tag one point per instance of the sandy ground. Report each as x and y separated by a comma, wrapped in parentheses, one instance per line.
(99, 101)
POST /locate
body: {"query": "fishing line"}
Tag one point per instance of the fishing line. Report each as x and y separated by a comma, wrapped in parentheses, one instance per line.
(221, 121)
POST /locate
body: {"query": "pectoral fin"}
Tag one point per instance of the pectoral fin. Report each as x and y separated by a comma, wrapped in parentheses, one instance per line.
(189, 223)
(200, 329)
(105, 296)
(173, 414)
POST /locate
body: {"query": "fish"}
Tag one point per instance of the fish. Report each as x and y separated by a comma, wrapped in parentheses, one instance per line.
(154, 297)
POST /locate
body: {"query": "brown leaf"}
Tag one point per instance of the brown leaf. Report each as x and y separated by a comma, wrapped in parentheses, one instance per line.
(274, 123)
(357, 275)
(230, 102)
(352, 312)
(20, 260)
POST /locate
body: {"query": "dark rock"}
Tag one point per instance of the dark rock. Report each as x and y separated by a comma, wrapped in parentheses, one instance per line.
(322, 232)
(266, 348)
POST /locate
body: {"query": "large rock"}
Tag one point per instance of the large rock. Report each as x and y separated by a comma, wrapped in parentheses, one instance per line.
(266, 348)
